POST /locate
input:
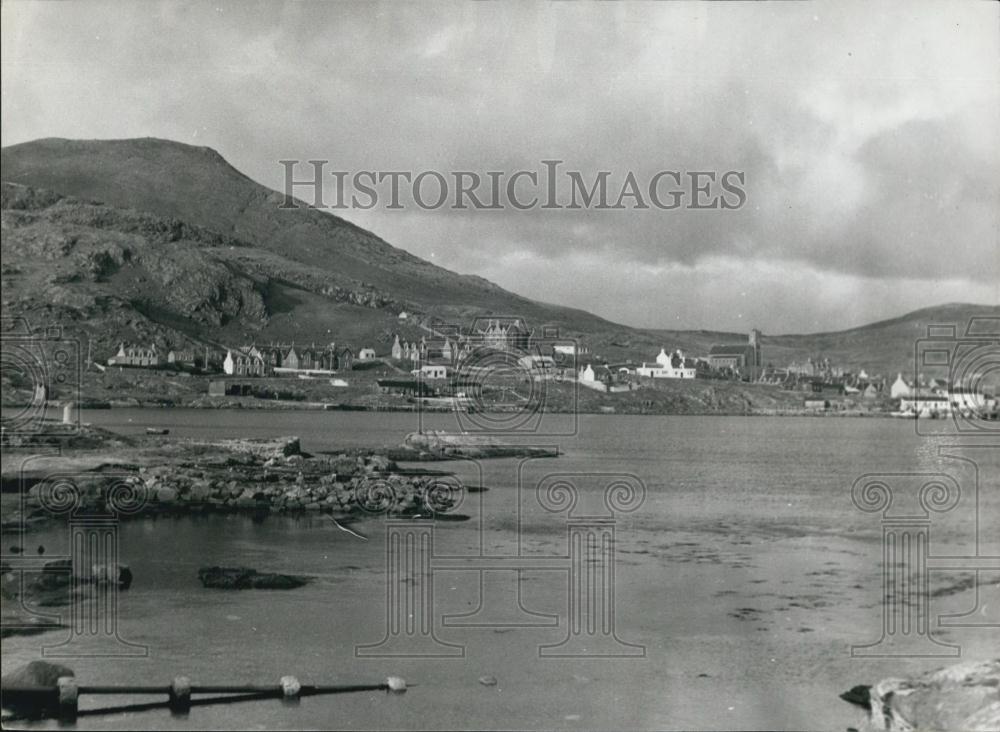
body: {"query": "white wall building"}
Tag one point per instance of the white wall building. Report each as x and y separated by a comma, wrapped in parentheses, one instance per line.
(238, 363)
(667, 366)
(431, 371)
(899, 388)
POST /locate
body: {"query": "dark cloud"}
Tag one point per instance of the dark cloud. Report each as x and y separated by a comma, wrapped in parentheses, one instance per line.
(867, 135)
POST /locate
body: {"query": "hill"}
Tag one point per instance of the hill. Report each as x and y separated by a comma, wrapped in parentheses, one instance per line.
(153, 240)
(315, 250)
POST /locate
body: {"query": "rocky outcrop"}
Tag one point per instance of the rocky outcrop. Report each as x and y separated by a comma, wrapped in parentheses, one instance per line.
(278, 447)
(448, 445)
(963, 697)
(247, 475)
(50, 587)
(244, 578)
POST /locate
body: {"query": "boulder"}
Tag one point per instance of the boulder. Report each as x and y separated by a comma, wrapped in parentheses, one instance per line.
(119, 574)
(965, 697)
(165, 494)
(36, 673)
(200, 491)
(244, 578)
(451, 446)
(263, 449)
(343, 466)
(246, 500)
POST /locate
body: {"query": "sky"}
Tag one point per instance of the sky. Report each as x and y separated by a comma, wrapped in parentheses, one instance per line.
(866, 133)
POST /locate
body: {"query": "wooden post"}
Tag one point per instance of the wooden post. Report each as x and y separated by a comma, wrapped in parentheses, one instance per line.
(69, 696)
(180, 696)
(290, 690)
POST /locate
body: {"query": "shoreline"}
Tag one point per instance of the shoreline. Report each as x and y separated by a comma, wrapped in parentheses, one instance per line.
(247, 403)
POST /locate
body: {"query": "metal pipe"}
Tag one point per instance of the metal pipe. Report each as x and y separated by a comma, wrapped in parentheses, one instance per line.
(203, 689)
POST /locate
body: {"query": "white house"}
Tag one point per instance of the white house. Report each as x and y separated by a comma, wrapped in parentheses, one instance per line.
(366, 354)
(925, 403)
(970, 400)
(431, 371)
(899, 388)
(136, 356)
(238, 363)
(587, 374)
(667, 366)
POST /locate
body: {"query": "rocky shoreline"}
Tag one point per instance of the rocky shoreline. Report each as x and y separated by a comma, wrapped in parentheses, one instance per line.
(253, 404)
(99, 473)
(239, 475)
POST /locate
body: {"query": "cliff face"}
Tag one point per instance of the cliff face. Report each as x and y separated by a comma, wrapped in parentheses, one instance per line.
(88, 261)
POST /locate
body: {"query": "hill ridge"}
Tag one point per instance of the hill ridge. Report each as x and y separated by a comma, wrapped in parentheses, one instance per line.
(316, 274)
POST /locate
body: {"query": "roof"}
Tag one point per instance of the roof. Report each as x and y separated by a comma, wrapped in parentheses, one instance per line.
(732, 350)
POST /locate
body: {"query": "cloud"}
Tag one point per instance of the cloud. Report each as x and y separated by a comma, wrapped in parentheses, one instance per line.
(867, 133)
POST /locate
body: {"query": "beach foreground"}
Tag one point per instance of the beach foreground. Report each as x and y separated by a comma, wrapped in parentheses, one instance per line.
(734, 613)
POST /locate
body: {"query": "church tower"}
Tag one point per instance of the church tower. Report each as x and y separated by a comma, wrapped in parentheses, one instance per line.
(758, 361)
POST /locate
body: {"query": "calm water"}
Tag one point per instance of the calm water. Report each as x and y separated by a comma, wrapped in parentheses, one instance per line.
(746, 574)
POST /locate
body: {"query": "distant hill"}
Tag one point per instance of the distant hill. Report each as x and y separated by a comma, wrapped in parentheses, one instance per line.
(887, 345)
(153, 240)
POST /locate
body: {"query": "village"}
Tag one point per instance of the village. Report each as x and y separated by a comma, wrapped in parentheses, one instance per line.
(488, 364)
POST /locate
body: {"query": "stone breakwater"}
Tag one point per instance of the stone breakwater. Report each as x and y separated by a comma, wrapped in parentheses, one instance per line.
(246, 475)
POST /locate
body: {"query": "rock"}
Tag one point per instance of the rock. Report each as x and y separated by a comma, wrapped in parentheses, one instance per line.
(488, 680)
(380, 463)
(36, 673)
(265, 449)
(343, 466)
(200, 491)
(119, 574)
(244, 578)
(965, 697)
(246, 500)
(451, 446)
(165, 494)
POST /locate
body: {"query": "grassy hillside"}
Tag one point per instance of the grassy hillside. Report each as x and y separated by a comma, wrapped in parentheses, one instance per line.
(195, 184)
